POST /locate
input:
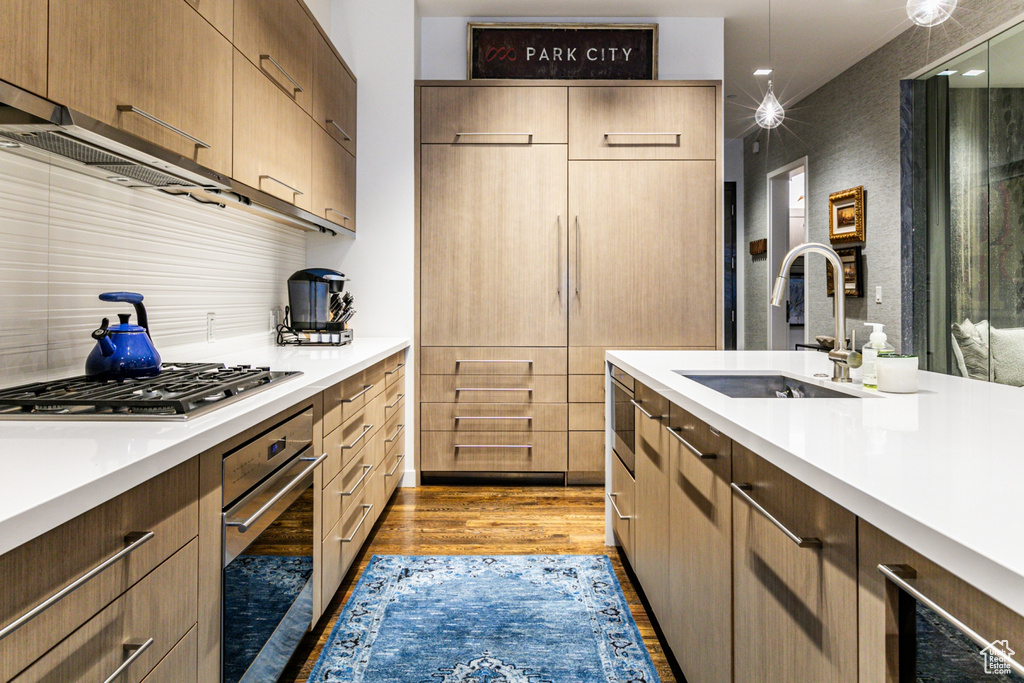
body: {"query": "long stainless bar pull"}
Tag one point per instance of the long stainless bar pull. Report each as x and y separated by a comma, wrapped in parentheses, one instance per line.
(136, 650)
(576, 279)
(397, 368)
(558, 257)
(255, 517)
(493, 417)
(397, 401)
(133, 540)
(611, 499)
(282, 184)
(498, 445)
(528, 136)
(641, 409)
(689, 446)
(458, 389)
(347, 218)
(899, 575)
(742, 489)
(366, 472)
(130, 109)
(366, 387)
(332, 122)
(392, 472)
(677, 136)
(484, 360)
(395, 436)
(366, 429)
(358, 526)
(298, 88)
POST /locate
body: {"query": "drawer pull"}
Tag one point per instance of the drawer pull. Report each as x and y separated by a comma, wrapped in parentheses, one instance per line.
(641, 408)
(458, 389)
(801, 542)
(366, 428)
(395, 435)
(282, 184)
(298, 88)
(493, 417)
(678, 434)
(367, 508)
(475, 445)
(528, 136)
(481, 360)
(397, 368)
(900, 575)
(576, 277)
(392, 472)
(129, 109)
(245, 525)
(611, 499)
(366, 387)
(366, 472)
(397, 401)
(609, 136)
(136, 650)
(133, 540)
(332, 122)
(344, 217)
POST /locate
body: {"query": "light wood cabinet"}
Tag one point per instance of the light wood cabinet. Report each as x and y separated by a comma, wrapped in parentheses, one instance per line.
(342, 542)
(123, 62)
(586, 458)
(334, 96)
(492, 389)
(278, 37)
(642, 255)
(493, 115)
(492, 245)
(493, 451)
(23, 43)
(220, 14)
(493, 361)
(494, 417)
(651, 508)
(623, 495)
(795, 607)
(179, 666)
(334, 181)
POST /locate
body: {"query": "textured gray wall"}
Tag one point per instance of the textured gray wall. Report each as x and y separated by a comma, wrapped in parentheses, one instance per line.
(850, 131)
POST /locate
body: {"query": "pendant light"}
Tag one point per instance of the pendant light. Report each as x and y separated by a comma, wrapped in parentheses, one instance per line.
(770, 114)
(930, 13)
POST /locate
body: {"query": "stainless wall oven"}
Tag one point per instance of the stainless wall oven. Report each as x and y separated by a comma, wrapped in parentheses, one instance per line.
(267, 550)
(623, 418)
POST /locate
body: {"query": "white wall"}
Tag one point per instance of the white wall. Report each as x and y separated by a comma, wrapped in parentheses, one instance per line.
(687, 48)
(733, 172)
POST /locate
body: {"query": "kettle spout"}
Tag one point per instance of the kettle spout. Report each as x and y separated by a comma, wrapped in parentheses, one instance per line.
(107, 347)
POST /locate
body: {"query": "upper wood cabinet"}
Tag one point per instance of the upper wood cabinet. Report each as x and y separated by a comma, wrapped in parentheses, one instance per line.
(220, 13)
(273, 137)
(493, 115)
(127, 63)
(334, 96)
(334, 181)
(278, 37)
(657, 122)
(23, 44)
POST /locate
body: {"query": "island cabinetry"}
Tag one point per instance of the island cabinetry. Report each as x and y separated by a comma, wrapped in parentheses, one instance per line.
(794, 578)
(622, 498)
(651, 505)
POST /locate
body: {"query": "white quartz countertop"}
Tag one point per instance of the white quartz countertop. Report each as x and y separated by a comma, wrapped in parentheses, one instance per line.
(53, 471)
(939, 470)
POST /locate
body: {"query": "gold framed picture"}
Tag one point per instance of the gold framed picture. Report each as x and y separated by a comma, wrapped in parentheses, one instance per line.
(846, 215)
(852, 271)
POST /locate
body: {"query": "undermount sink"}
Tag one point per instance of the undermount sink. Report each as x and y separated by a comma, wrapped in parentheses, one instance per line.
(763, 386)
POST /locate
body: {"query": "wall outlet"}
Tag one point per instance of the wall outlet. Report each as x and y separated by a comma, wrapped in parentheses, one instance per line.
(275, 318)
(211, 327)
(878, 295)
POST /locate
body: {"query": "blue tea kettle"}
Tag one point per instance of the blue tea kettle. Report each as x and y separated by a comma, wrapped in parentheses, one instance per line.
(123, 351)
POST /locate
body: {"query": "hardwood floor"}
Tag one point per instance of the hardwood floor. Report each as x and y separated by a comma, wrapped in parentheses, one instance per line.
(444, 520)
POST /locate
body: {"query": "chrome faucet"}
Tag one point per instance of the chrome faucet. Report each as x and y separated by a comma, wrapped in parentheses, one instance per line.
(842, 358)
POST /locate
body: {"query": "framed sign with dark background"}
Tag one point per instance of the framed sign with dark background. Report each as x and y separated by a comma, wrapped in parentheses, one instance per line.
(563, 51)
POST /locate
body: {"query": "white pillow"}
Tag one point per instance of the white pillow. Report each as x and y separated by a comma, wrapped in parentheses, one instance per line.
(1008, 355)
(972, 345)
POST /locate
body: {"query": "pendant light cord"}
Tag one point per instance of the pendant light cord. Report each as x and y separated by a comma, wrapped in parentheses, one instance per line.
(770, 66)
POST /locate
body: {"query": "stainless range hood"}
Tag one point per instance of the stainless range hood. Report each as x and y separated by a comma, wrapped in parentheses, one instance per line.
(38, 128)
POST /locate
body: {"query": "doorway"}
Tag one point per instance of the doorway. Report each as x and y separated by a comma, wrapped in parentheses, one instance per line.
(729, 252)
(787, 228)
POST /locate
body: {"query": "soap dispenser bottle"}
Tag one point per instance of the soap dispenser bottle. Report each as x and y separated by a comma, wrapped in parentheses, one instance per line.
(877, 346)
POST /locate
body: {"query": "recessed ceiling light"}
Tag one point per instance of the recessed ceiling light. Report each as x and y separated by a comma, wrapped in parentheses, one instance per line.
(974, 72)
(762, 72)
(947, 72)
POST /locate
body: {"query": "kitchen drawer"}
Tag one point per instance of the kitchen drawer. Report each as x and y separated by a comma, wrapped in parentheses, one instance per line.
(394, 367)
(586, 416)
(656, 405)
(161, 607)
(374, 376)
(247, 465)
(490, 360)
(348, 397)
(586, 458)
(586, 388)
(277, 36)
(394, 399)
(344, 488)
(590, 360)
(698, 437)
(342, 543)
(166, 505)
(493, 452)
(179, 666)
(642, 123)
(334, 96)
(392, 471)
(492, 389)
(494, 417)
(621, 494)
(334, 181)
(272, 138)
(394, 431)
(344, 443)
(493, 115)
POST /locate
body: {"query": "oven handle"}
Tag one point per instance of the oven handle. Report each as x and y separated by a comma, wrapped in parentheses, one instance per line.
(243, 526)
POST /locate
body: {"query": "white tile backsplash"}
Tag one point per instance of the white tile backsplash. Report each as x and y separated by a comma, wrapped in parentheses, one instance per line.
(65, 238)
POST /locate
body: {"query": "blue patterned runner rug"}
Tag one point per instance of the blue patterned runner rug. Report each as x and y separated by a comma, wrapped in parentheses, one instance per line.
(486, 619)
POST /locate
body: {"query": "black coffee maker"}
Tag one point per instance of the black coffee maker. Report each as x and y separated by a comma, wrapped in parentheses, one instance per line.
(314, 298)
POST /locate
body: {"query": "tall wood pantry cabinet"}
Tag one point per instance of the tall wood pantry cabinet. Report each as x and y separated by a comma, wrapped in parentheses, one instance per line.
(556, 220)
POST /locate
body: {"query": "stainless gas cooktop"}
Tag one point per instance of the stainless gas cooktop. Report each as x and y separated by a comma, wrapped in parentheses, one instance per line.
(180, 391)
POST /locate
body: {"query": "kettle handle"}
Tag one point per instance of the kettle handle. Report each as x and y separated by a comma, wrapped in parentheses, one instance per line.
(135, 300)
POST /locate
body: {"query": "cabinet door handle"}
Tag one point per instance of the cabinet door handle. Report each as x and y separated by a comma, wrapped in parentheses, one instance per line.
(693, 449)
(742, 489)
(245, 525)
(458, 389)
(558, 257)
(528, 136)
(136, 650)
(900, 575)
(298, 88)
(332, 122)
(397, 368)
(493, 417)
(607, 136)
(397, 401)
(392, 472)
(133, 540)
(366, 429)
(641, 409)
(576, 278)
(282, 184)
(355, 531)
(129, 109)
(366, 472)
(475, 445)
(484, 360)
(366, 387)
(611, 499)
(395, 436)
(346, 218)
